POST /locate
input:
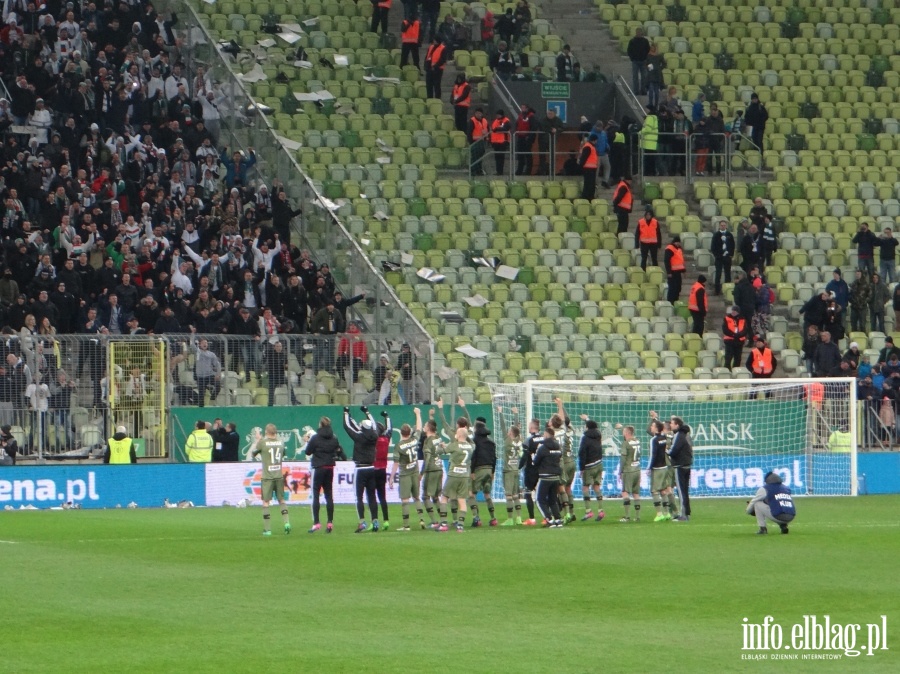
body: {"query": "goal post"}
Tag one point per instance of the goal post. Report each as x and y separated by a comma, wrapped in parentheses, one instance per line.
(807, 430)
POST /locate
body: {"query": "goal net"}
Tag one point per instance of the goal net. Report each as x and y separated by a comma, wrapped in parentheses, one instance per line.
(804, 429)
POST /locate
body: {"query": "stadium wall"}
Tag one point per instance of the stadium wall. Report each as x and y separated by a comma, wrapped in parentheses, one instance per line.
(149, 486)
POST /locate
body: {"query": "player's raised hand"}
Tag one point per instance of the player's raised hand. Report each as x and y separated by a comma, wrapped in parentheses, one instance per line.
(499, 410)
(515, 410)
(440, 403)
(460, 401)
(584, 417)
(558, 401)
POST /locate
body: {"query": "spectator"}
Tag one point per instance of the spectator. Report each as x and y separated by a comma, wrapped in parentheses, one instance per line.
(503, 61)
(887, 351)
(276, 364)
(9, 447)
(681, 130)
(769, 242)
(551, 126)
(860, 295)
(526, 126)
(697, 110)
(722, 248)
(505, 26)
(715, 131)
(813, 310)
(888, 247)
(564, 63)
(656, 63)
(227, 442)
(638, 51)
(327, 321)
(751, 248)
(760, 322)
(744, 296)
(839, 289)
(380, 11)
(487, 31)
(208, 371)
(353, 353)
(430, 12)
(756, 117)
(881, 295)
(827, 356)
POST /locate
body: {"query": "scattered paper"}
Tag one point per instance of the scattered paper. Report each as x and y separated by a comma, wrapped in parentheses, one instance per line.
(268, 42)
(452, 317)
(256, 74)
(381, 215)
(372, 78)
(390, 266)
(289, 37)
(406, 258)
(444, 373)
(341, 60)
(210, 2)
(471, 351)
(325, 95)
(292, 27)
(475, 301)
(507, 272)
(314, 96)
(383, 160)
(492, 262)
(366, 242)
(311, 22)
(303, 64)
(292, 145)
(196, 34)
(384, 147)
(430, 275)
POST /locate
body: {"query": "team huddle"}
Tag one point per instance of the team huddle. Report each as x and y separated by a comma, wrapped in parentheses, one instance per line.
(541, 467)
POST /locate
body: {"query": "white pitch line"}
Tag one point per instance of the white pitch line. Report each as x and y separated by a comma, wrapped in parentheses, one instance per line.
(10, 542)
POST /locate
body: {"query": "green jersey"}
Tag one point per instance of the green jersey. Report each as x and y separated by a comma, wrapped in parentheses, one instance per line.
(566, 439)
(406, 456)
(272, 452)
(460, 458)
(432, 450)
(511, 459)
(630, 456)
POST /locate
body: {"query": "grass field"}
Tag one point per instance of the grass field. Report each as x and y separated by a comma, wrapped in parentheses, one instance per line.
(201, 591)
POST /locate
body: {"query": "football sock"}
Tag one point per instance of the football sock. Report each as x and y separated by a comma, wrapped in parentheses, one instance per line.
(443, 513)
(473, 505)
(284, 516)
(529, 503)
(627, 504)
(453, 510)
(490, 505)
(267, 524)
(658, 505)
(637, 508)
(587, 503)
(509, 510)
(462, 517)
(419, 510)
(518, 507)
(673, 505)
(405, 508)
(430, 510)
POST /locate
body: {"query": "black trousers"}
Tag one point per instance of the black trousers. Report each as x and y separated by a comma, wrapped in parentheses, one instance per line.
(589, 188)
(524, 156)
(699, 320)
(380, 18)
(683, 482)
(733, 349)
(433, 82)
(547, 498)
(381, 491)
(407, 50)
(500, 152)
(365, 482)
(461, 117)
(622, 216)
(323, 479)
(723, 267)
(648, 250)
(674, 289)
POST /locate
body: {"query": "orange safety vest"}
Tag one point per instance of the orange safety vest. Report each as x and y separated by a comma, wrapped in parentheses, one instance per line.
(677, 263)
(591, 162)
(692, 298)
(411, 34)
(499, 137)
(815, 393)
(479, 129)
(457, 92)
(647, 230)
(435, 52)
(735, 325)
(626, 202)
(762, 361)
(385, 4)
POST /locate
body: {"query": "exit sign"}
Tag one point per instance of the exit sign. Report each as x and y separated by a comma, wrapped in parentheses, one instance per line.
(555, 90)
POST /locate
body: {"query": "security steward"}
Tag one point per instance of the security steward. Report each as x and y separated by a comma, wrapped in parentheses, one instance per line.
(120, 448)
(648, 237)
(734, 334)
(410, 30)
(500, 129)
(761, 362)
(622, 201)
(479, 132)
(199, 445)
(698, 304)
(588, 161)
(674, 263)
(461, 99)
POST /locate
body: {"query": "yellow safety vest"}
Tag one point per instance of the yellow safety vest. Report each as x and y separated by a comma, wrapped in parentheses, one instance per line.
(840, 442)
(119, 450)
(199, 447)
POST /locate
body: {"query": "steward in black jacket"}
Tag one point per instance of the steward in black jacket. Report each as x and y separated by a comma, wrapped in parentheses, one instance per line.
(323, 447)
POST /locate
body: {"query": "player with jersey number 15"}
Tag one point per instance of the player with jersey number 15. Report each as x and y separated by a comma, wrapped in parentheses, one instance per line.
(271, 449)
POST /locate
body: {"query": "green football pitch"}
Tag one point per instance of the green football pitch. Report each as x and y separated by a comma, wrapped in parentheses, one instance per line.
(200, 590)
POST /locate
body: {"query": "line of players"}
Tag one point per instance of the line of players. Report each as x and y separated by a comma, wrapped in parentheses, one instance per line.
(547, 458)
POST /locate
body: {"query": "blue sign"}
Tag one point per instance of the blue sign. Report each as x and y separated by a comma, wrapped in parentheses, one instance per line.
(561, 108)
(879, 472)
(102, 486)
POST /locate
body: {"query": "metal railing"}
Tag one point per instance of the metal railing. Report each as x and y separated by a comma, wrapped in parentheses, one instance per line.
(679, 155)
(63, 395)
(321, 226)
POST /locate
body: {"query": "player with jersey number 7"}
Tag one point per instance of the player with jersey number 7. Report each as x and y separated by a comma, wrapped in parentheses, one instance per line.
(271, 449)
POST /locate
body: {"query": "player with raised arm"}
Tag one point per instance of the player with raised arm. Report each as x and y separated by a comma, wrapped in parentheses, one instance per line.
(364, 436)
(513, 450)
(272, 451)
(566, 438)
(484, 465)
(382, 452)
(547, 462)
(526, 462)
(406, 466)
(462, 421)
(456, 486)
(659, 471)
(630, 471)
(590, 463)
(432, 469)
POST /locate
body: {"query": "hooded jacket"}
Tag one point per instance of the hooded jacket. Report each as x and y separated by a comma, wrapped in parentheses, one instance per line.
(547, 459)
(590, 453)
(776, 496)
(485, 454)
(364, 440)
(682, 451)
(324, 448)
